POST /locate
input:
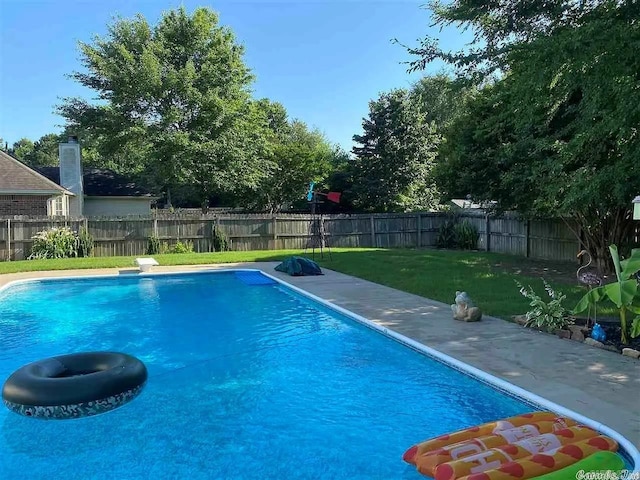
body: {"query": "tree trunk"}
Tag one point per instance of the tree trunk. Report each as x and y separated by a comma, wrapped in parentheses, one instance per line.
(600, 233)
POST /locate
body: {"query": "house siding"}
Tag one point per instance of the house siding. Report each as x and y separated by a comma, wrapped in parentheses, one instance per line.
(23, 205)
(97, 207)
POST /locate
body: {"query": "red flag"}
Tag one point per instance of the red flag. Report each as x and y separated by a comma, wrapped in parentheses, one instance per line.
(334, 197)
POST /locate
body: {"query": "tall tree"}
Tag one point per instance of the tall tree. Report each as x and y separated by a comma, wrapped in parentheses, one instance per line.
(45, 151)
(296, 155)
(499, 28)
(441, 98)
(557, 133)
(22, 149)
(340, 179)
(395, 157)
(177, 94)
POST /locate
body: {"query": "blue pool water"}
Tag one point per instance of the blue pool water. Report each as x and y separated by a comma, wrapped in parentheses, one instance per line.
(247, 380)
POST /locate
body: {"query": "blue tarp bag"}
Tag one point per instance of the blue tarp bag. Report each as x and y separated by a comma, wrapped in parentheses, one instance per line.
(299, 266)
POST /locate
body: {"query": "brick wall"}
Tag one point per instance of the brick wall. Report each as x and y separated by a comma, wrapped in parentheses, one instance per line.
(23, 205)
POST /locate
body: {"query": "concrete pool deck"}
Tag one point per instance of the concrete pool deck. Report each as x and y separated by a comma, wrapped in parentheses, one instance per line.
(598, 384)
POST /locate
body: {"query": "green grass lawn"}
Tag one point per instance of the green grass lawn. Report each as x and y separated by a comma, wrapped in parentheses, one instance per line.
(128, 262)
(437, 274)
(489, 278)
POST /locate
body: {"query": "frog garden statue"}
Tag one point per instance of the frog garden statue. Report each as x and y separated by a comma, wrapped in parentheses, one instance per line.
(464, 309)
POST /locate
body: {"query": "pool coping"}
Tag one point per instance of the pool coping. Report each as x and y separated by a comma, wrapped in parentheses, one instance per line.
(630, 450)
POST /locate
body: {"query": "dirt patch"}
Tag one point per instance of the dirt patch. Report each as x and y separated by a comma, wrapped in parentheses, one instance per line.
(563, 272)
(554, 271)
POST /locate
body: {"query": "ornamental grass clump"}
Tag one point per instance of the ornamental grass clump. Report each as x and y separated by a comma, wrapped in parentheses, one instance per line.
(220, 240)
(57, 242)
(453, 234)
(153, 245)
(85, 243)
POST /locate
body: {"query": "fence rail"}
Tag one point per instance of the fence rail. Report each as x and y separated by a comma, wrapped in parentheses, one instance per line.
(542, 239)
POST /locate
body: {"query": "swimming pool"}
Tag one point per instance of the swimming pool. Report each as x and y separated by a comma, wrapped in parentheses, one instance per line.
(245, 381)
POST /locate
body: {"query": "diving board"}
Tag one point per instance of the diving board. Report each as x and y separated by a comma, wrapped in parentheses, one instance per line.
(145, 263)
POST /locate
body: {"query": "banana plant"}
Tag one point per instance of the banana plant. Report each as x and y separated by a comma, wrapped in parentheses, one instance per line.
(625, 293)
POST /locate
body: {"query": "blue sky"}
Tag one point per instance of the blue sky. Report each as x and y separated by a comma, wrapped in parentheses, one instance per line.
(323, 60)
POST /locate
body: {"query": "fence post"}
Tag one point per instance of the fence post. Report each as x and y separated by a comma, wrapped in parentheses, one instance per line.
(274, 224)
(155, 227)
(8, 239)
(487, 229)
(526, 239)
(217, 229)
(419, 239)
(17, 239)
(373, 231)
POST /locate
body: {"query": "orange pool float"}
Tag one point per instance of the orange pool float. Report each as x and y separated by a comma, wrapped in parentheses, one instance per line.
(493, 458)
(490, 428)
(428, 461)
(543, 463)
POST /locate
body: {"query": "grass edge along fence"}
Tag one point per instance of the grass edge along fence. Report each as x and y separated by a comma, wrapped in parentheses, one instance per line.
(127, 236)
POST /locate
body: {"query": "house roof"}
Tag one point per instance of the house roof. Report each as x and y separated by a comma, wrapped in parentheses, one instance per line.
(101, 183)
(466, 204)
(18, 179)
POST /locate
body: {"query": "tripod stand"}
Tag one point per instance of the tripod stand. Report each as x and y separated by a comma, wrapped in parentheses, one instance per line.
(316, 232)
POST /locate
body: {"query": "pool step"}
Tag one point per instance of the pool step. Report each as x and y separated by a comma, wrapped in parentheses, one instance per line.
(254, 278)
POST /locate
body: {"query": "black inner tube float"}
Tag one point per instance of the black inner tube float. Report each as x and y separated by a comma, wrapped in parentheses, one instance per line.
(73, 386)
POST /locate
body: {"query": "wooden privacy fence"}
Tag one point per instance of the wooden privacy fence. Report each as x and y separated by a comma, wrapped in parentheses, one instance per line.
(548, 239)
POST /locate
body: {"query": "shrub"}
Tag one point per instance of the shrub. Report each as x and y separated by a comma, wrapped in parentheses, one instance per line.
(447, 234)
(153, 245)
(466, 235)
(182, 247)
(548, 316)
(624, 293)
(54, 243)
(220, 240)
(85, 243)
(452, 234)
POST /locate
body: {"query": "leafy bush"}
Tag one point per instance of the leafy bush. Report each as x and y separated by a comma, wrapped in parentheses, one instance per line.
(85, 243)
(447, 235)
(549, 316)
(466, 235)
(452, 234)
(153, 245)
(624, 293)
(54, 243)
(220, 240)
(181, 247)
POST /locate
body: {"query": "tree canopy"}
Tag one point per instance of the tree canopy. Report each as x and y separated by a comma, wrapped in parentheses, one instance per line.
(298, 156)
(174, 102)
(22, 149)
(43, 151)
(399, 147)
(555, 132)
(394, 156)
